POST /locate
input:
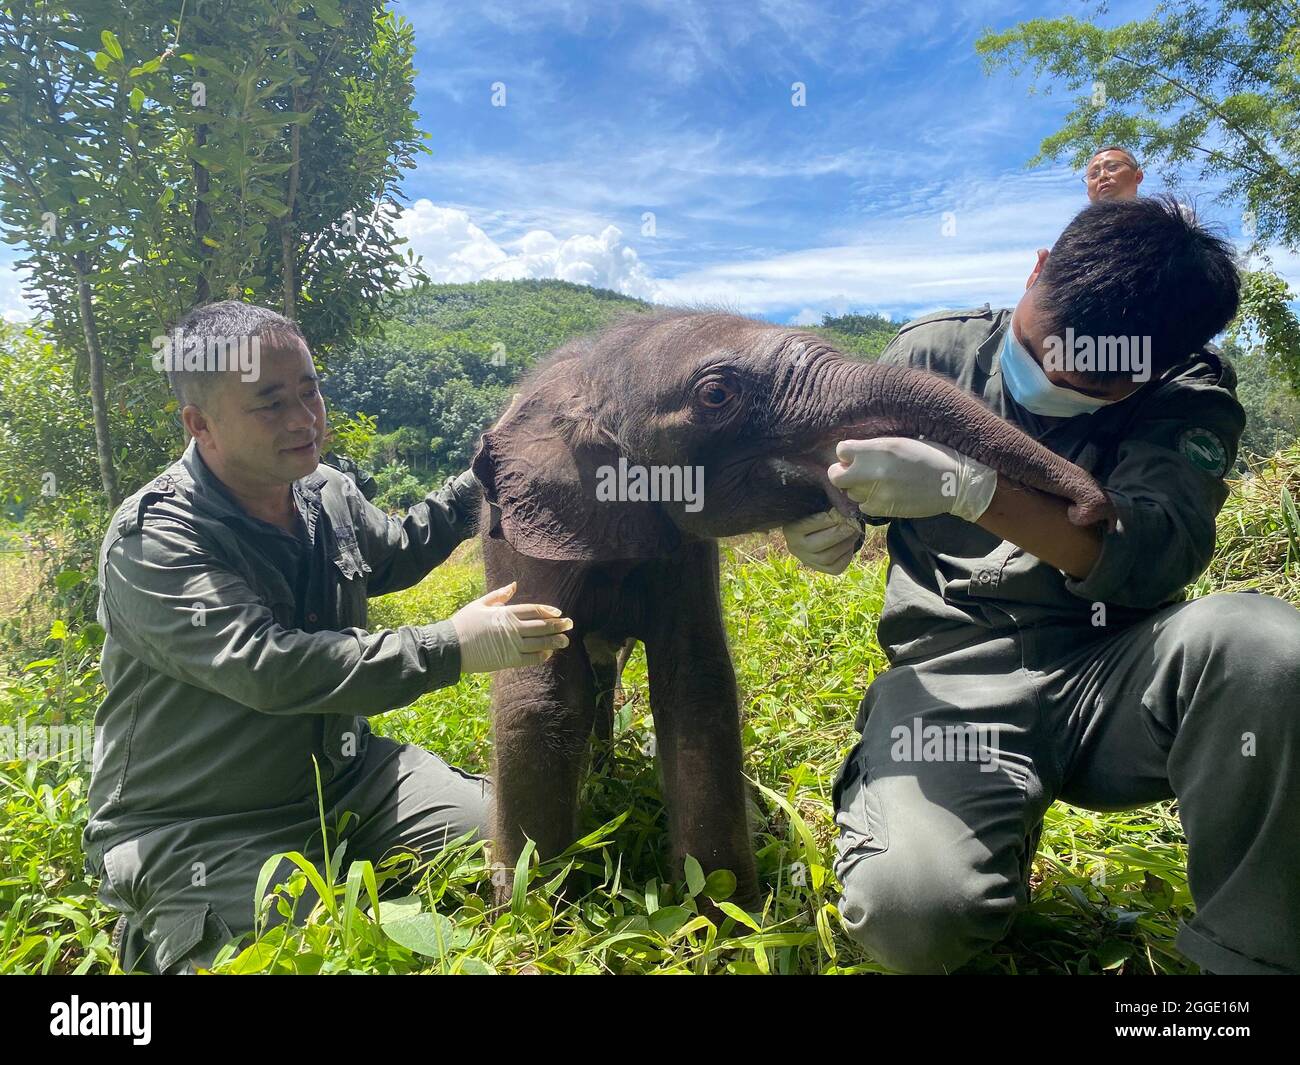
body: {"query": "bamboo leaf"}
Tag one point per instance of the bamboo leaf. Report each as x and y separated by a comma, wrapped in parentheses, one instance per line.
(520, 890)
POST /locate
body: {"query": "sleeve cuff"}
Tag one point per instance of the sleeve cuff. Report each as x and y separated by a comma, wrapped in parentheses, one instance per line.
(467, 491)
(441, 650)
(1113, 568)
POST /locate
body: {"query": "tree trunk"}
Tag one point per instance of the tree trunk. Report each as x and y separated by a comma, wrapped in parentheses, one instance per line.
(202, 220)
(288, 230)
(98, 402)
(202, 215)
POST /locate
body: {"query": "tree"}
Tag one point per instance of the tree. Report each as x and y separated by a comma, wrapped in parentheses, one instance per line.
(444, 364)
(1213, 86)
(152, 159)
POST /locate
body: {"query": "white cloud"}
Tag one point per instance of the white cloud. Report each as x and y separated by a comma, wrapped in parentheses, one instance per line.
(901, 264)
(13, 304)
(454, 249)
(898, 264)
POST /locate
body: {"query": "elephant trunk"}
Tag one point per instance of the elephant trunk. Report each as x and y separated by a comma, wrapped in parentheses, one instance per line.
(860, 400)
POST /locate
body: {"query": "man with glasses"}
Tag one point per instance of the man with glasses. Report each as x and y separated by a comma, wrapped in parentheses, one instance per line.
(1112, 174)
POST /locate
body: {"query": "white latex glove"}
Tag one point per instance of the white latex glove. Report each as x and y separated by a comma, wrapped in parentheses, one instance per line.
(822, 541)
(494, 636)
(899, 477)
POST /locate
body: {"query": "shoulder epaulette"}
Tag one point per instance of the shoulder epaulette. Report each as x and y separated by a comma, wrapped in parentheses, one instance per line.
(131, 517)
(945, 316)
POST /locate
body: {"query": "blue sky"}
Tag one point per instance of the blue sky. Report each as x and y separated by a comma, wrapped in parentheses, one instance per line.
(683, 110)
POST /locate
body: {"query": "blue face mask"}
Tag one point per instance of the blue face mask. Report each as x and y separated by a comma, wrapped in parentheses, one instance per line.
(1030, 387)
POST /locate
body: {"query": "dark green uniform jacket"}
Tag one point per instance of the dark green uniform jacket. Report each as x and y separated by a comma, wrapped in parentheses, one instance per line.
(1160, 455)
(235, 652)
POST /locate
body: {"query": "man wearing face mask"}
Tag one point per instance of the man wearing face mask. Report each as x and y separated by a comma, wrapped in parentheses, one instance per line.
(1032, 659)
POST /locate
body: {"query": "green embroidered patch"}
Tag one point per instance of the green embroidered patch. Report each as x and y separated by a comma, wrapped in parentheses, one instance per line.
(1204, 450)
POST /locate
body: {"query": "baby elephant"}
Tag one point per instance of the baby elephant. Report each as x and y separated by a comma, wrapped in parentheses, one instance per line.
(624, 457)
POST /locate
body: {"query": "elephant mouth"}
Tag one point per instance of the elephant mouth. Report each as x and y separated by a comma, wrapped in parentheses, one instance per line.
(810, 467)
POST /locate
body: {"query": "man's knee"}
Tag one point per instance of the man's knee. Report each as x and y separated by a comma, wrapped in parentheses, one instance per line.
(918, 920)
(1250, 635)
(432, 805)
(461, 799)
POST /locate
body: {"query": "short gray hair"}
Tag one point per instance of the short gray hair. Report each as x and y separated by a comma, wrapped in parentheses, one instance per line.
(1122, 151)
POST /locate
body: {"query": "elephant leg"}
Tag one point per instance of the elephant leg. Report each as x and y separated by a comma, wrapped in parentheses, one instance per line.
(542, 720)
(697, 719)
(607, 657)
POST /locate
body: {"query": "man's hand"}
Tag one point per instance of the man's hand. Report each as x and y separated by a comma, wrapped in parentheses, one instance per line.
(822, 541)
(494, 636)
(898, 477)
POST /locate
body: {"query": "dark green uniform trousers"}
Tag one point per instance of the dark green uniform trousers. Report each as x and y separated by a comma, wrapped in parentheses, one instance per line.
(188, 889)
(940, 804)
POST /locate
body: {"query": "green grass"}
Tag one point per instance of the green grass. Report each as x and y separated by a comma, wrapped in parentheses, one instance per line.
(1108, 889)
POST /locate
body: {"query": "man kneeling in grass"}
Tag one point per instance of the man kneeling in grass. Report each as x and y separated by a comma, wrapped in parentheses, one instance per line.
(233, 593)
(1067, 652)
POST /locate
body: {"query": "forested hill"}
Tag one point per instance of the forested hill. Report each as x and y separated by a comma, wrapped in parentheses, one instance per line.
(444, 363)
(442, 366)
(530, 314)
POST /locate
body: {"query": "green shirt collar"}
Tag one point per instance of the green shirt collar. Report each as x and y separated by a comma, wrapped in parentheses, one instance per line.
(209, 493)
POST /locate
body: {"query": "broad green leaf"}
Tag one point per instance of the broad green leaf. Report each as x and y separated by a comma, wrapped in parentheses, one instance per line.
(720, 884)
(112, 45)
(1113, 953)
(399, 909)
(428, 934)
(329, 13)
(694, 875)
(668, 919)
(69, 578)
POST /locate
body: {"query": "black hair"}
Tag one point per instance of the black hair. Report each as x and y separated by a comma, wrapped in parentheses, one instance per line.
(1144, 267)
(218, 324)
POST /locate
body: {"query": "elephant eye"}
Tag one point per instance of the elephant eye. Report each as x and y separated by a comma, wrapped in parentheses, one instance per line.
(715, 394)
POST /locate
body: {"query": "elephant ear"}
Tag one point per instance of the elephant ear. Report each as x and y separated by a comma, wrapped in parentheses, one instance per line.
(540, 471)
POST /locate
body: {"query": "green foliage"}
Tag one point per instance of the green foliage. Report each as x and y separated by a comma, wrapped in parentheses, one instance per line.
(47, 439)
(1267, 318)
(1272, 409)
(48, 472)
(444, 365)
(866, 335)
(353, 436)
(398, 487)
(52, 921)
(1259, 531)
(256, 156)
(47, 442)
(1217, 86)
(1108, 889)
